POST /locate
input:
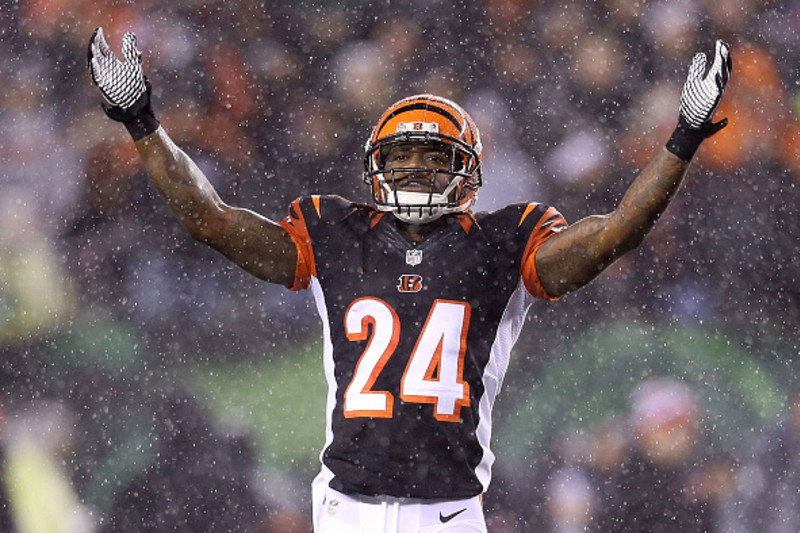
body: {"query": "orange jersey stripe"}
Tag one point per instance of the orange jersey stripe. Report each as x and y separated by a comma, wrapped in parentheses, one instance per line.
(295, 226)
(547, 226)
(527, 212)
(315, 200)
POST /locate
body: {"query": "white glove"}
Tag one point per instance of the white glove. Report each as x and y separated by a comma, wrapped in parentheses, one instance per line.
(124, 86)
(121, 84)
(702, 94)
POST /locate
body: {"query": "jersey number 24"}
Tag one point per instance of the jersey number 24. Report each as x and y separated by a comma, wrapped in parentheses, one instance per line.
(434, 373)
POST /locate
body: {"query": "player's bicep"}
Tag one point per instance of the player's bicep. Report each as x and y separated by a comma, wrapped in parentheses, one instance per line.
(255, 243)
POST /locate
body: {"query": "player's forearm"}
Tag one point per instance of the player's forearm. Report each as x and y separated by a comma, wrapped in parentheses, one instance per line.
(577, 255)
(179, 181)
(645, 200)
(257, 244)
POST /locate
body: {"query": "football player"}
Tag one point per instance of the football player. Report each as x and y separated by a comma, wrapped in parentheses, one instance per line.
(421, 299)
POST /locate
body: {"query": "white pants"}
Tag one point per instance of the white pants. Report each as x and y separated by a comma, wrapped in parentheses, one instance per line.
(335, 512)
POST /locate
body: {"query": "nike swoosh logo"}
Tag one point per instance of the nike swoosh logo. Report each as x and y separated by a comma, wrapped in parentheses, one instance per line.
(446, 518)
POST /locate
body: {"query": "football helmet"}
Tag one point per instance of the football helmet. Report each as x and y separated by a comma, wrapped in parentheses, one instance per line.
(430, 119)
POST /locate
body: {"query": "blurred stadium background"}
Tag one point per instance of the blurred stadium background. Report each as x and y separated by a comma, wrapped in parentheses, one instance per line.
(134, 357)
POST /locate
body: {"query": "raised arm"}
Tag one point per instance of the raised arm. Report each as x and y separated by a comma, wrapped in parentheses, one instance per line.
(255, 243)
(577, 255)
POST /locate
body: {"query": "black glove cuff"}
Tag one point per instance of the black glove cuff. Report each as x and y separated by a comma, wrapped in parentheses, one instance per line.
(685, 140)
(142, 125)
(139, 119)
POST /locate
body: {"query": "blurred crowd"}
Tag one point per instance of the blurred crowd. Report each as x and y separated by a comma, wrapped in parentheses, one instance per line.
(102, 293)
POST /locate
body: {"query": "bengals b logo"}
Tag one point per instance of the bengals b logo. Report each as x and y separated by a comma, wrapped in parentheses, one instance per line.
(409, 283)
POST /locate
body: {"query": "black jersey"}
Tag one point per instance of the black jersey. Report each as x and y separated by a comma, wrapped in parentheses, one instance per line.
(417, 338)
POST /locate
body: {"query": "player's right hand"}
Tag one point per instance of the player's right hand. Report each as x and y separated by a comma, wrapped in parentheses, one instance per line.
(121, 84)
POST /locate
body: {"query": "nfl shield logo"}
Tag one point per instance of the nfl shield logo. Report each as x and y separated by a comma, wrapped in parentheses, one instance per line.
(413, 257)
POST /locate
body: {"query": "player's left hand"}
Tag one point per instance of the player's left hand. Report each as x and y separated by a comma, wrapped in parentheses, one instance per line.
(703, 90)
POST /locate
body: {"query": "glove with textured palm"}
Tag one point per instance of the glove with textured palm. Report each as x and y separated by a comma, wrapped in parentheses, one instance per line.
(123, 85)
(700, 98)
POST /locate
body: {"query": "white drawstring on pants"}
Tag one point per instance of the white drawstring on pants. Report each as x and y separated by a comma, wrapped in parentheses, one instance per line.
(391, 517)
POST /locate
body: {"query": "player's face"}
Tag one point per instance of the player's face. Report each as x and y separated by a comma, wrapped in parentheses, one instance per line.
(421, 156)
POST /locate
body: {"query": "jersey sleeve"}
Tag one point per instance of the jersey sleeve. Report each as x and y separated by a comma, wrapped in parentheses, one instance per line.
(295, 225)
(549, 223)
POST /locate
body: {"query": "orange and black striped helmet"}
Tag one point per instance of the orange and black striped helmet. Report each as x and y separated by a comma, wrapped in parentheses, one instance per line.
(425, 118)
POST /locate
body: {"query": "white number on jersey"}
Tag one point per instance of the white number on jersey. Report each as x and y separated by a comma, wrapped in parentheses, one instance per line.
(359, 398)
(435, 370)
